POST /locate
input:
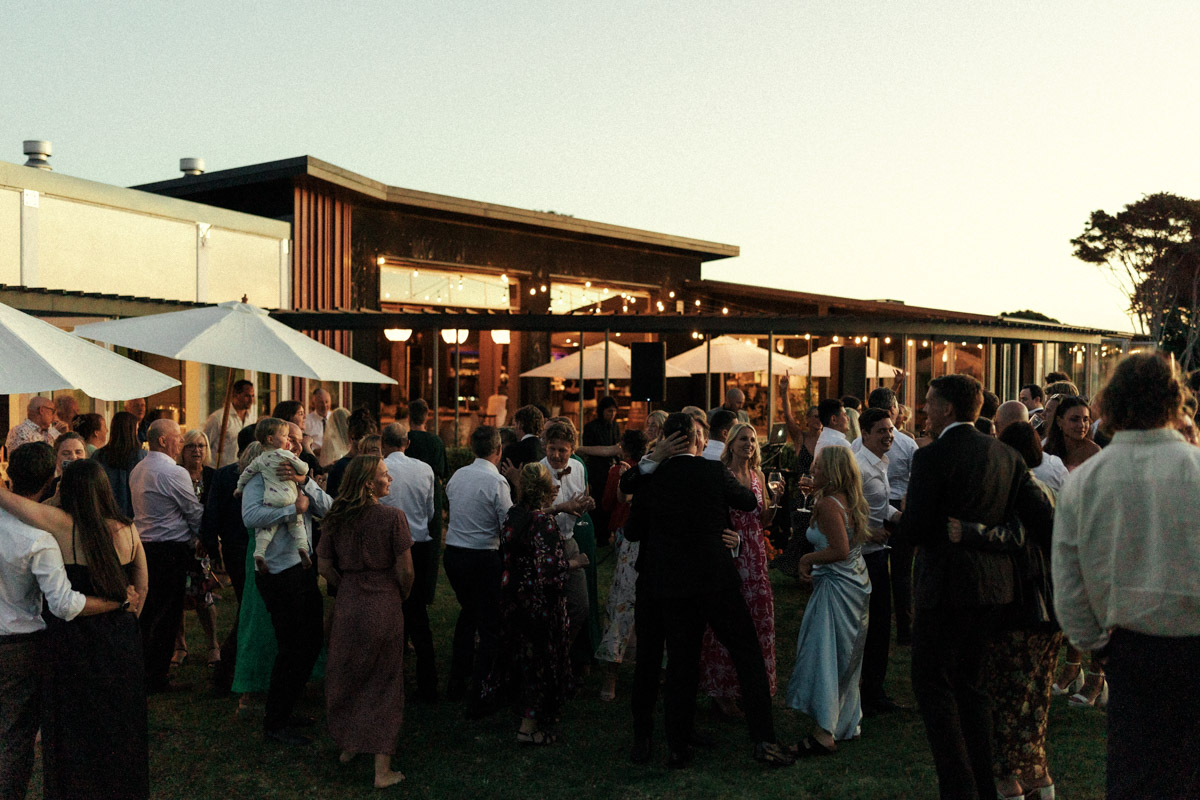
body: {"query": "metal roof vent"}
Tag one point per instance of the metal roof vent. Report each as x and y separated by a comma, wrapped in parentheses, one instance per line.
(191, 166)
(39, 152)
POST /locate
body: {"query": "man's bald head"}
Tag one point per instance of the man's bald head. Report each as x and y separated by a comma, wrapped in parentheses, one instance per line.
(1008, 413)
(735, 398)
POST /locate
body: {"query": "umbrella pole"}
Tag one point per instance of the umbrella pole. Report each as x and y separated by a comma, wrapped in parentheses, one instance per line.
(606, 362)
(435, 383)
(707, 371)
(770, 383)
(808, 380)
(581, 349)
(224, 415)
(457, 371)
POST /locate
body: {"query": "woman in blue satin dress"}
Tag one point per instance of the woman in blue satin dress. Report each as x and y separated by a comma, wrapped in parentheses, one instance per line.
(824, 682)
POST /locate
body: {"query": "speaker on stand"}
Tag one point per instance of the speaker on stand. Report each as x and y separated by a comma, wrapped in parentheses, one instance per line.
(648, 371)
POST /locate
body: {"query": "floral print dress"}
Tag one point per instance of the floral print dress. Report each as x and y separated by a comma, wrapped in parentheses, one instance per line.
(717, 675)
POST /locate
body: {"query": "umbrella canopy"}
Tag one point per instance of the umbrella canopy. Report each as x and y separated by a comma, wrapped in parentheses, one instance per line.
(39, 357)
(619, 358)
(234, 335)
(821, 367)
(733, 355)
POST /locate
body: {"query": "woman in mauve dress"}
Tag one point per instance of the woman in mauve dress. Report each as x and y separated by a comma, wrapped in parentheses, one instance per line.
(365, 552)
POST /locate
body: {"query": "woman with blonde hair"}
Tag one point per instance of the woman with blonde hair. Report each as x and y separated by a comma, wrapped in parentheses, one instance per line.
(824, 683)
(336, 442)
(717, 675)
(364, 551)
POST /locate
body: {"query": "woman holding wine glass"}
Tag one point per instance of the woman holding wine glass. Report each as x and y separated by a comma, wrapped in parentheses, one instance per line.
(718, 676)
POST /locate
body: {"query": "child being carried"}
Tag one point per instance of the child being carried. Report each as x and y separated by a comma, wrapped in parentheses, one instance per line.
(272, 434)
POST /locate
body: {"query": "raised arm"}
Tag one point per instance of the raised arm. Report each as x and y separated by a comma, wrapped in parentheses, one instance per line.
(793, 427)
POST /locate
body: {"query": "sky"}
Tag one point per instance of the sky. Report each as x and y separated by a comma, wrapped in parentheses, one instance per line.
(939, 153)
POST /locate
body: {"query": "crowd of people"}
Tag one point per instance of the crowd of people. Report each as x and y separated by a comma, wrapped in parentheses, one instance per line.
(995, 536)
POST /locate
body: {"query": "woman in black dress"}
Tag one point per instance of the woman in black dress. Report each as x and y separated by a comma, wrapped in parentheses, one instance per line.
(94, 741)
(119, 457)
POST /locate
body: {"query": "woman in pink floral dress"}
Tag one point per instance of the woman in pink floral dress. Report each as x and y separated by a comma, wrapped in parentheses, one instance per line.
(718, 676)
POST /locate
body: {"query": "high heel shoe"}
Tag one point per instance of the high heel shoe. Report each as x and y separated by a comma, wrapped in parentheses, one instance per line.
(1080, 700)
(1072, 687)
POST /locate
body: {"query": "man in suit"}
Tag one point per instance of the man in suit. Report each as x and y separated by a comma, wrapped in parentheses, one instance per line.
(527, 424)
(686, 509)
(971, 477)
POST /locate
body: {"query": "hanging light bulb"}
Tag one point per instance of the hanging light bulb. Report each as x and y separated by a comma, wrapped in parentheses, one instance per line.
(397, 334)
(502, 337)
(911, 343)
(587, 284)
(835, 340)
(449, 335)
(808, 337)
(725, 310)
(543, 287)
(381, 261)
(887, 340)
(697, 303)
(533, 291)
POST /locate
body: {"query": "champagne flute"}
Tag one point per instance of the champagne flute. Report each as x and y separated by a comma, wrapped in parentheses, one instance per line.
(806, 485)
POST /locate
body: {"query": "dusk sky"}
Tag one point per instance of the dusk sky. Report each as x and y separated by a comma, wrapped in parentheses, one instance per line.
(943, 154)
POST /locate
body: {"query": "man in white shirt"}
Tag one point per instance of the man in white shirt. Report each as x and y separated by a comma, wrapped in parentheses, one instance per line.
(314, 423)
(479, 500)
(834, 424)
(568, 478)
(722, 421)
(241, 414)
(31, 569)
(38, 424)
(412, 493)
(167, 514)
(878, 436)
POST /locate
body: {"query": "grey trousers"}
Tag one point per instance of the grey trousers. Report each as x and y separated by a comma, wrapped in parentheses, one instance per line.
(577, 593)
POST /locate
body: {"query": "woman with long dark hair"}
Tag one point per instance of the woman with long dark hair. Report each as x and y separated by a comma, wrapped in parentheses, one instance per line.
(94, 740)
(365, 550)
(120, 456)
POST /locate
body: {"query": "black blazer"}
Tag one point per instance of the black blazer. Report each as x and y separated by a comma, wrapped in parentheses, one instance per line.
(975, 478)
(524, 452)
(680, 512)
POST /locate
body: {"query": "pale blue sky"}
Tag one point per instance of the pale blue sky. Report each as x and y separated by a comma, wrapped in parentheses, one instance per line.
(939, 153)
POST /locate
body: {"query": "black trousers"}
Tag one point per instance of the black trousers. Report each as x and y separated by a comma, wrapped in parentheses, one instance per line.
(947, 677)
(416, 618)
(686, 619)
(879, 628)
(901, 556)
(1153, 708)
(294, 603)
(20, 710)
(166, 564)
(235, 568)
(651, 635)
(475, 578)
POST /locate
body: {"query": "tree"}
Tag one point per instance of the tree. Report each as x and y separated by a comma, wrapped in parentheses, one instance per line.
(1029, 314)
(1152, 250)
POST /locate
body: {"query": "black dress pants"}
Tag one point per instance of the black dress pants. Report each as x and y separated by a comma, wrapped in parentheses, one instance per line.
(686, 619)
(879, 628)
(235, 568)
(651, 644)
(475, 578)
(294, 603)
(20, 710)
(1153, 708)
(947, 677)
(167, 564)
(416, 618)
(901, 557)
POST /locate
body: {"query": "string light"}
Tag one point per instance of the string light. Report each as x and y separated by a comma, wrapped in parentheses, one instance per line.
(381, 261)
(835, 339)
(887, 340)
(925, 343)
(911, 343)
(725, 310)
(587, 284)
(543, 288)
(807, 337)
(671, 293)
(531, 291)
(697, 303)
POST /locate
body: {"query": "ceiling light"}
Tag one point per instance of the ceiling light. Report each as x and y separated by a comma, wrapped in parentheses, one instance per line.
(397, 334)
(502, 337)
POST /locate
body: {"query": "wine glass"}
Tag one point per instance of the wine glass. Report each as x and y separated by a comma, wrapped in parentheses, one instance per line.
(775, 484)
(806, 485)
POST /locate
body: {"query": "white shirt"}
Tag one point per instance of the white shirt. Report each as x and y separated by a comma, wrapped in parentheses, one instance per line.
(411, 492)
(212, 429)
(829, 438)
(899, 458)
(1126, 545)
(479, 500)
(31, 567)
(314, 428)
(1052, 471)
(713, 449)
(876, 491)
(165, 507)
(568, 486)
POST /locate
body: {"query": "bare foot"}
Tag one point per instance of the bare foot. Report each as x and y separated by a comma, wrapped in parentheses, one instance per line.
(346, 756)
(304, 559)
(260, 565)
(387, 779)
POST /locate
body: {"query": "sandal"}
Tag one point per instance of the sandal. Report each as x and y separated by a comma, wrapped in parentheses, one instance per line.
(773, 755)
(809, 746)
(538, 737)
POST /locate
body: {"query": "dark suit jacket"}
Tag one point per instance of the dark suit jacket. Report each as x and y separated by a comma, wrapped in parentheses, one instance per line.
(222, 520)
(975, 478)
(682, 509)
(524, 452)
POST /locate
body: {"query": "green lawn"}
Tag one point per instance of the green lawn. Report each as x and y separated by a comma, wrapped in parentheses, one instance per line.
(200, 748)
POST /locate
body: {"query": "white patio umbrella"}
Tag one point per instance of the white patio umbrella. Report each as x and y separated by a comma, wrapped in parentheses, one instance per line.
(39, 357)
(821, 366)
(729, 354)
(234, 335)
(619, 358)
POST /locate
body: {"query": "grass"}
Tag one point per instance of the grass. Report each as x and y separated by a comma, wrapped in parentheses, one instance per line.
(201, 748)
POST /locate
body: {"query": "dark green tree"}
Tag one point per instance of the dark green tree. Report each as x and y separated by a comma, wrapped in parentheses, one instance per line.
(1152, 250)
